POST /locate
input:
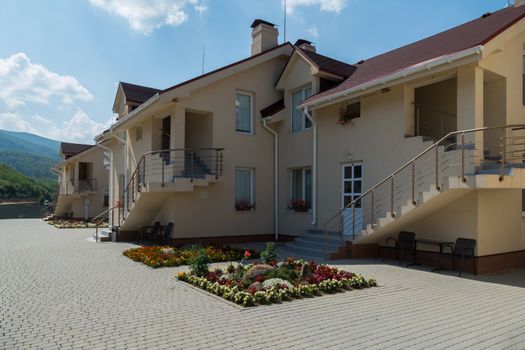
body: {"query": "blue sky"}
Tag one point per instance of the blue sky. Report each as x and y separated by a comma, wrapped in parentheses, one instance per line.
(61, 60)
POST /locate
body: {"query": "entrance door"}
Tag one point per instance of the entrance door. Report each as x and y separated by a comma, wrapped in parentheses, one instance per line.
(352, 188)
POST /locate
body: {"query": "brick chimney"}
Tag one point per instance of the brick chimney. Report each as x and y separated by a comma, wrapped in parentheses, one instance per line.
(264, 36)
(305, 45)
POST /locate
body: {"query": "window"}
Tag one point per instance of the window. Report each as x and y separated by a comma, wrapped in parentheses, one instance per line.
(301, 185)
(299, 119)
(138, 133)
(243, 113)
(106, 196)
(244, 199)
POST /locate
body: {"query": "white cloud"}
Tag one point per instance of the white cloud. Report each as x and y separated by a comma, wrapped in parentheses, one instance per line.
(23, 82)
(313, 32)
(147, 15)
(324, 5)
(79, 128)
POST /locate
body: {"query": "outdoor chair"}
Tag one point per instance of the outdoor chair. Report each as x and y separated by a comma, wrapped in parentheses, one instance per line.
(150, 232)
(166, 233)
(464, 247)
(405, 241)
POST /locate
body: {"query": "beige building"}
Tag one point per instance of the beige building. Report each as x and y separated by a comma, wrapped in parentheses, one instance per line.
(426, 138)
(83, 187)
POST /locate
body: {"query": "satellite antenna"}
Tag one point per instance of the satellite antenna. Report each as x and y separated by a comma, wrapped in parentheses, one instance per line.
(284, 21)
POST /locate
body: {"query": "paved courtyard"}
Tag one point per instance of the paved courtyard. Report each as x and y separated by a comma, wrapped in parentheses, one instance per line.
(57, 290)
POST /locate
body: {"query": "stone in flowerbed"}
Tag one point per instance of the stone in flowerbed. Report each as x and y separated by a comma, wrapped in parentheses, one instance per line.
(283, 282)
(166, 256)
(63, 223)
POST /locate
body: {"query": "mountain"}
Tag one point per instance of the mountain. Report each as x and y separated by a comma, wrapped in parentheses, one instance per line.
(14, 185)
(29, 154)
(23, 141)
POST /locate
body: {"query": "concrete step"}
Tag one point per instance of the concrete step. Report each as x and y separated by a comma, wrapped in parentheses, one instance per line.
(307, 254)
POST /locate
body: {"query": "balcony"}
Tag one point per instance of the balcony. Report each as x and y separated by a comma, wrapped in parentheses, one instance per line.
(77, 187)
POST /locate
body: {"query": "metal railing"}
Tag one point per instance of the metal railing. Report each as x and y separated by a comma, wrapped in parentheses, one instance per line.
(487, 150)
(165, 166)
(71, 187)
(104, 216)
(432, 122)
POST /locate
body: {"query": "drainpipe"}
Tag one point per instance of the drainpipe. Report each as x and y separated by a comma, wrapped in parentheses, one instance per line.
(314, 165)
(275, 176)
(111, 183)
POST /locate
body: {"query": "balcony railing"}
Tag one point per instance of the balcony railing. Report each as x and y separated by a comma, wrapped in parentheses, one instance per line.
(73, 187)
(165, 166)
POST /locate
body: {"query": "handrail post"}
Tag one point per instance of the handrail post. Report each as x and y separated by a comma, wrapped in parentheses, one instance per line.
(413, 183)
(216, 164)
(437, 167)
(192, 167)
(353, 220)
(463, 178)
(162, 180)
(503, 153)
(372, 206)
(392, 197)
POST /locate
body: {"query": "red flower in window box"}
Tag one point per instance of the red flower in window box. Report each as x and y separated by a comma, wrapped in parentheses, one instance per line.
(299, 206)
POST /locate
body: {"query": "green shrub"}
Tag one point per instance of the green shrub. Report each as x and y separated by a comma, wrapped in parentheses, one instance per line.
(199, 264)
(270, 253)
(284, 273)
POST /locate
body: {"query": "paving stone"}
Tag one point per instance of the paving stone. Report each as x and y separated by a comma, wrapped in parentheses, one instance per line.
(58, 290)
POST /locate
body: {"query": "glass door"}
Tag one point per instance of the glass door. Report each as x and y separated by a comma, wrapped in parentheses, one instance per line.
(352, 188)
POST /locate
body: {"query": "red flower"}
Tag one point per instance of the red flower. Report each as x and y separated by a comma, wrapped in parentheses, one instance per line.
(247, 254)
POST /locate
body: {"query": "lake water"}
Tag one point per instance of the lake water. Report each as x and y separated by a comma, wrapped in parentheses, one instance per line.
(18, 211)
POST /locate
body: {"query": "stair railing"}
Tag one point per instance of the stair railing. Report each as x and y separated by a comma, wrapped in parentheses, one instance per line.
(100, 218)
(165, 166)
(459, 153)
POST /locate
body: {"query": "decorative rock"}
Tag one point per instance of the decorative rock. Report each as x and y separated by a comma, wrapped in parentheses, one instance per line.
(257, 270)
(257, 285)
(168, 251)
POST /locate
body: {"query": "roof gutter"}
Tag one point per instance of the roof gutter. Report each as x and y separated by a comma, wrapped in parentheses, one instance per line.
(136, 111)
(424, 66)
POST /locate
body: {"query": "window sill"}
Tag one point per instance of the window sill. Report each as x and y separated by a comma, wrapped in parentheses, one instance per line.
(244, 133)
(309, 211)
(245, 211)
(300, 131)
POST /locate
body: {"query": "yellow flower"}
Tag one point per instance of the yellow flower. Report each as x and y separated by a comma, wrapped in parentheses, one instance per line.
(182, 275)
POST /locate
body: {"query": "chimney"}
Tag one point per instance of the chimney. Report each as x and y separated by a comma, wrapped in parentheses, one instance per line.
(518, 3)
(264, 36)
(305, 45)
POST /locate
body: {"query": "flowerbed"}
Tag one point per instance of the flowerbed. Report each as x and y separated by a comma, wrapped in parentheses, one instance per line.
(165, 256)
(62, 223)
(259, 284)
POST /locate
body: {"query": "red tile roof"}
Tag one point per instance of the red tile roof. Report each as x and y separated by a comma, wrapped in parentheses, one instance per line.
(72, 149)
(273, 108)
(137, 93)
(457, 39)
(328, 64)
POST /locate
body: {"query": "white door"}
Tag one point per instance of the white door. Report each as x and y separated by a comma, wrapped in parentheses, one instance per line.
(352, 188)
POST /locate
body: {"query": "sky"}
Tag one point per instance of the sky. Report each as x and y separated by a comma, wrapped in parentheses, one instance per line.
(61, 60)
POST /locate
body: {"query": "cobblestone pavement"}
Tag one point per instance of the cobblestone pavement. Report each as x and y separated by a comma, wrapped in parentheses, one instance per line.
(57, 290)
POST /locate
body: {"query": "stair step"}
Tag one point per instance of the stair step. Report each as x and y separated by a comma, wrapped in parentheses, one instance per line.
(317, 240)
(304, 252)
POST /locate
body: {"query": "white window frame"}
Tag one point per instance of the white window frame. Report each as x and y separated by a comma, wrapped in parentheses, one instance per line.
(303, 182)
(252, 183)
(251, 96)
(303, 119)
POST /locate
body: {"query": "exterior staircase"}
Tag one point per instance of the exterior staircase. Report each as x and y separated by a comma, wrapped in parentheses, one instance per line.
(161, 173)
(460, 162)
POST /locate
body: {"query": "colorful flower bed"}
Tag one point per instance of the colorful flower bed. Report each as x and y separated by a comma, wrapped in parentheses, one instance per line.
(165, 256)
(63, 223)
(259, 284)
